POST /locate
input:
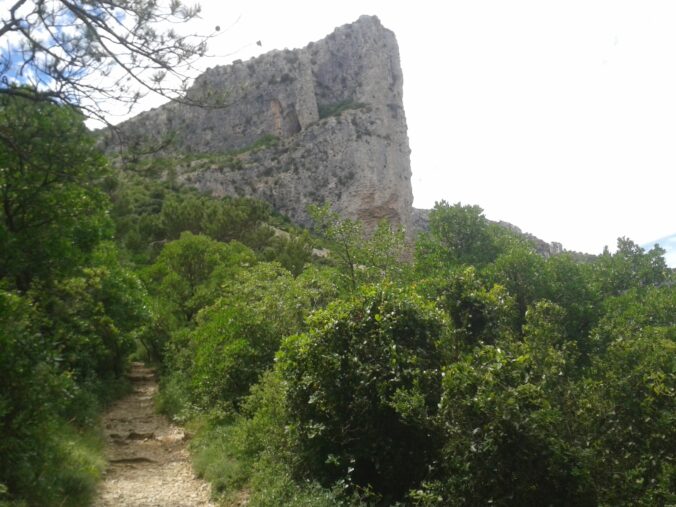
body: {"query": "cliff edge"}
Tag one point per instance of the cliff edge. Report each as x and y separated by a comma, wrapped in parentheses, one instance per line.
(324, 123)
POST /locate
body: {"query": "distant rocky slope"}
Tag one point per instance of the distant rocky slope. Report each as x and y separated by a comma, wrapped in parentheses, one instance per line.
(324, 123)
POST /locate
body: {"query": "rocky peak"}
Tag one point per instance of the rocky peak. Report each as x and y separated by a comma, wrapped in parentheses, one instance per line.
(324, 123)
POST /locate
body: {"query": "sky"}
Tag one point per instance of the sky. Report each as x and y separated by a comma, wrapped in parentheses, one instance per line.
(558, 117)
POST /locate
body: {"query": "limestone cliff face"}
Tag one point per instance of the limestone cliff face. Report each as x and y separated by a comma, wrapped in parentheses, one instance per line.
(336, 113)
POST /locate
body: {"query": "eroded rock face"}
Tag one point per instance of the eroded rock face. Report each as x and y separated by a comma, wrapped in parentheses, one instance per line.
(335, 108)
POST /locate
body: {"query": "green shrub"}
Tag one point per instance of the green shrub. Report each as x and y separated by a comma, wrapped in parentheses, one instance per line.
(86, 321)
(173, 399)
(273, 484)
(335, 109)
(236, 338)
(215, 457)
(250, 454)
(72, 466)
(52, 215)
(628, 419)
(233, 347)
(226, 451)
(478, 314)
(363, 387)
(43, 460)
(31, 386)
(457, 235)
(187, 273)
(506, 414)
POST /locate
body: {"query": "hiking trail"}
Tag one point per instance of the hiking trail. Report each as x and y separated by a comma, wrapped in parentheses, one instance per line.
(148, 460)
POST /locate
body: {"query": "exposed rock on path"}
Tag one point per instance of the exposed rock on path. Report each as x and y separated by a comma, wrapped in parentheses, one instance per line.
(149, 465)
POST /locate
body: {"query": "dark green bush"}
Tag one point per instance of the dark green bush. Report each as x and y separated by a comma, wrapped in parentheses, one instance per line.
(86, 324)
(457, 235)
(43, 460)
(628, 398)
(236, 338)
(188, 272)
(51, 213)
(506, 422)
(363, 387)
(479, 314)
(232, 348)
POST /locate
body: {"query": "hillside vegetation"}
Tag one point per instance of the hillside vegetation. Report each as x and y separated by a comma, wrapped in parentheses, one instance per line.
(463, 370)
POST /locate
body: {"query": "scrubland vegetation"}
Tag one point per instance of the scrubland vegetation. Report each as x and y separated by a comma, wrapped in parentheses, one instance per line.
(463, 370)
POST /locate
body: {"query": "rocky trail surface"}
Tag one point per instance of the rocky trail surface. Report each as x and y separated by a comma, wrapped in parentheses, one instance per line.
(148, 462)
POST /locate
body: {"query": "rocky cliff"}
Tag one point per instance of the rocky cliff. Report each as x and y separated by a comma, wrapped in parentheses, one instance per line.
(324, 123)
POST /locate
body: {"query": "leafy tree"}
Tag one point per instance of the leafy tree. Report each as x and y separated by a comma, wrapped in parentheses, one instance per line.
(91, 319)
(221, 219)
(628, 399)
(292, 252)
(569, 284)
(507, 425)
(316, 287)
(233, 347)
(236, 338)
(521, 271)
(632, 312)
(457, 235)
(68, 49)
(240, 219)
(30, 386)
(188, 271)
(363, 386)
(267, 289)
(51, 213)
(182, 213)
(478, 313)
(362, 258)
(148, 213)
(345, 234)
(631, 266)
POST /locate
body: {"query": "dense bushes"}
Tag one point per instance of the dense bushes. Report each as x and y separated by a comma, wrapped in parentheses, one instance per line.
(148, 213)
(363, 387)
(232, 348)
(69, 310)
(235, 338)
(51, 210)
(480, 374)
(506, 411)
(64, 349)
(628, 400)
(501, 379)
(30, 380)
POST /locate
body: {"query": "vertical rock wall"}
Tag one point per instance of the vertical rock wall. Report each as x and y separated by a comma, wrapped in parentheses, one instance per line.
(336, 108)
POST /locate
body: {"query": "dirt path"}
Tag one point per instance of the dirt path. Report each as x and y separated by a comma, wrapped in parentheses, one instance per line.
(149, 465)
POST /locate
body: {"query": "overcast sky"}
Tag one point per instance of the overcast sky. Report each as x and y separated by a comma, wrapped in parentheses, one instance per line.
(559, 117)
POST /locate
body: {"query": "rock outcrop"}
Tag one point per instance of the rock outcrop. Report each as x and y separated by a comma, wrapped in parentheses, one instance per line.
(324, 123)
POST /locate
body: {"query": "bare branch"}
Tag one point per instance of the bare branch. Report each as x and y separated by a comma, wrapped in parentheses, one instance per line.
(13, 22)
(68, 48)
